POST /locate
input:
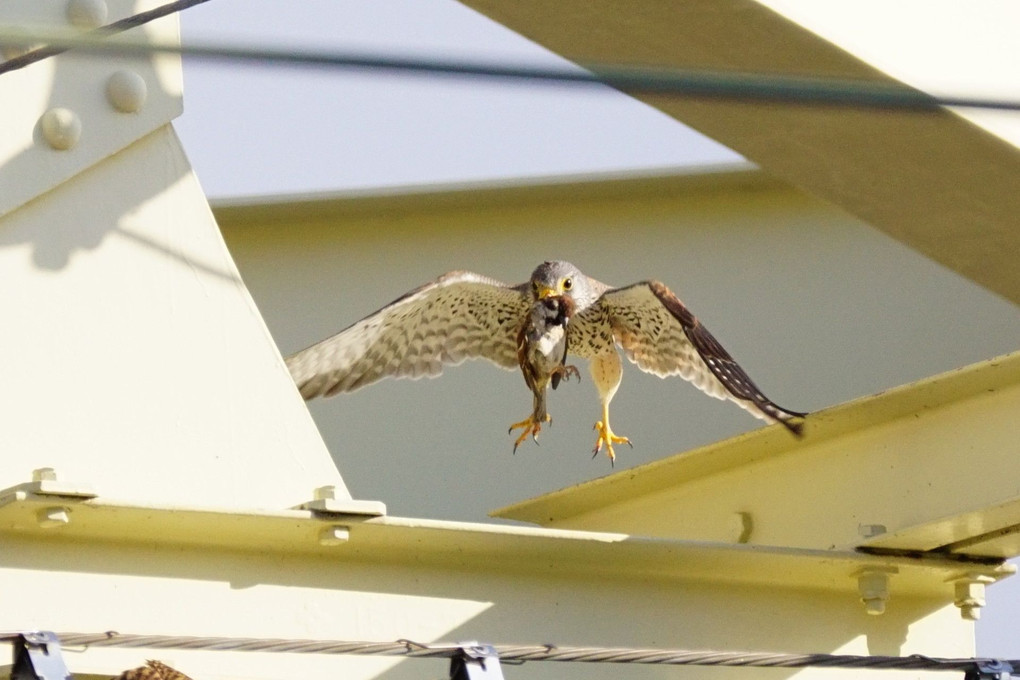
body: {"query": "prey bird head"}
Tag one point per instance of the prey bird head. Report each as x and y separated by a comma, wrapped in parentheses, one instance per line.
(562, 279)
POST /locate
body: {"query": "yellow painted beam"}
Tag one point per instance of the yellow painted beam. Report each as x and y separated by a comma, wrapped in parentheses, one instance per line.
(482, 548)
(936, 182)
(300, 574)
(893, 462)
(557, 192)
(145, 585)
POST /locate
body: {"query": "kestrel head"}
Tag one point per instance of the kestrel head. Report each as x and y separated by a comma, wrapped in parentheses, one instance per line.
(560, 278)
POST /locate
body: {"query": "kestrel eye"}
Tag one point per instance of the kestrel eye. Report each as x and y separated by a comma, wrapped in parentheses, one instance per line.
(567, 284)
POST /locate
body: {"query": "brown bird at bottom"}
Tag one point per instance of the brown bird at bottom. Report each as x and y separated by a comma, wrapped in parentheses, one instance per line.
(153, 670)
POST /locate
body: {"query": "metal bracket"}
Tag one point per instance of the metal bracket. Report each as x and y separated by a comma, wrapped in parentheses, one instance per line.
(989, 669)
(326, 503)
(37, 657)
(474, 661)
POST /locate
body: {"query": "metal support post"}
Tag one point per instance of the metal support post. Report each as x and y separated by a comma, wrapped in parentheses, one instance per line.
(37, 657)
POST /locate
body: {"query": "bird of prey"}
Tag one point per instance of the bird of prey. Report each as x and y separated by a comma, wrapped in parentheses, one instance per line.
(462, 316)
(542, 355)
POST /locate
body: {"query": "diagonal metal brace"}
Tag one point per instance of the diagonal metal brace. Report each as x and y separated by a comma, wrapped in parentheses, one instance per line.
(474, 661)
(37, 657)
(990, 669)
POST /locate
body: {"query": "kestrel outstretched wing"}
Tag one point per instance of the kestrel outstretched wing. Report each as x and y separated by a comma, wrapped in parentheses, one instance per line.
(659, 334)
(458, 316)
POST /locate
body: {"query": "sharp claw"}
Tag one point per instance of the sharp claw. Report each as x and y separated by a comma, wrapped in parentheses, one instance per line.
(607, 438)
(531, 427)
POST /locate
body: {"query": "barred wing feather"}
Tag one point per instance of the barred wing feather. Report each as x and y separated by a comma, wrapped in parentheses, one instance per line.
(458, 316)
(659, 334)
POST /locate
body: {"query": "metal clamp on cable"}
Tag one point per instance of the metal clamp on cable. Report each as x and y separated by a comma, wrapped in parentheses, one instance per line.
(474, 661)
(37, 657)
(990, 669)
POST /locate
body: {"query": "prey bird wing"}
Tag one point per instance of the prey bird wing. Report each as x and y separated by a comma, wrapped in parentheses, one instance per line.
(659, 334)
(458, 316)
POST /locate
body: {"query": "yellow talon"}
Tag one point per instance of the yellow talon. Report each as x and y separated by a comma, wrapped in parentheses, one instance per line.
(531, 426)
(607, 438)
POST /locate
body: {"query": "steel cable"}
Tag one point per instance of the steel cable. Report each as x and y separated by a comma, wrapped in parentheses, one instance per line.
(728, 85)
(671, 657)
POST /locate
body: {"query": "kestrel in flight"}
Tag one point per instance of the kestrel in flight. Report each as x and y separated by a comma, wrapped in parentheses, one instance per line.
(462, 316)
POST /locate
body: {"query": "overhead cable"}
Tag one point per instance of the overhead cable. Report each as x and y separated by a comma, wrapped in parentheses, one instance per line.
(696, 83)
(22, 38)
(668, 657)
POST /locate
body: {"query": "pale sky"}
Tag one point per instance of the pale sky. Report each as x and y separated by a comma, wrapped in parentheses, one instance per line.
(252, 130)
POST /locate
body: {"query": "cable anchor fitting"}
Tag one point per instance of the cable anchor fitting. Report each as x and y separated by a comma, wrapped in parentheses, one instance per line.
(990, 669)
(474, 661)
(37, 657)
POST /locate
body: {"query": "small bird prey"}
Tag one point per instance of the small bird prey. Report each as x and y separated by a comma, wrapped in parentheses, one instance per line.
(462, 316)
(542, 355)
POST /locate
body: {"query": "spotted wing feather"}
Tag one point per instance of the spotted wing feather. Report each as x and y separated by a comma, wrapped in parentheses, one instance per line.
(659, 334)
(458, 316)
